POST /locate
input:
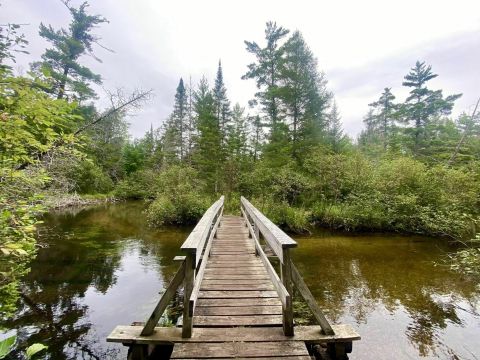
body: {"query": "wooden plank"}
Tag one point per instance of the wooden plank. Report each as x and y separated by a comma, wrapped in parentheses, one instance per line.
(219, 276)
(300, 357)
(239, 302)
(164, 301)
(235, 282)
(310, 300)
(236, 287)
(234, 265)
(246, 320)
(187, 291)
(287, 282)
(238, 310)
(234, 350)
(237, 294)
(167, 335)
(237, 271)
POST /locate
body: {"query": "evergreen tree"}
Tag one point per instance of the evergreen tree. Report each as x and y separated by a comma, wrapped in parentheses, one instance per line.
(266, 73)
(222, 104)
(335, 132)
(257, 135)
(60, 64)
(208, 152)
(237, 132)
(303, 94)
(383, 122)
(423, 104)
(180, 117)
(176, 127)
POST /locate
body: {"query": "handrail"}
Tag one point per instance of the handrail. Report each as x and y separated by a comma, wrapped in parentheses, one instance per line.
(280, 243)
(201, 269)
(282, 292)
(195, 242)
(194, 245)
(277, 239)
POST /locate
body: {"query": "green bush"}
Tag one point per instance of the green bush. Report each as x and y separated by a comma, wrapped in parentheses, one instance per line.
(186, 209)
(180, 197)
(138, 185)
(285, 216)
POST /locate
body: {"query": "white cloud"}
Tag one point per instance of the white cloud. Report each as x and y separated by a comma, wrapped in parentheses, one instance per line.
(362, 46)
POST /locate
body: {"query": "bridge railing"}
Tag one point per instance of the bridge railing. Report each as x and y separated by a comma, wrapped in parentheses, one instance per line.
(280, 243)
(196, 248)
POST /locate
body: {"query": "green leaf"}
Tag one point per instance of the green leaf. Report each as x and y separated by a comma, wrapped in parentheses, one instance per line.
(6, 346)
(35, 349)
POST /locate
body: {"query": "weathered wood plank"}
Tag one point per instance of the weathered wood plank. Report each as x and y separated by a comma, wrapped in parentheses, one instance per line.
(189, 280)
(167, 335)
(299, 357)
(238, 310)
(239, 302)
(245, 349)
(237, 294)
(245, 320)
(236, 287)
(236, 282)
(218, 276)
(236, 271)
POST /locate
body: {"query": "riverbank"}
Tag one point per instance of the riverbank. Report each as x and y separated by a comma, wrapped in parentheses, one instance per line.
(62, 201)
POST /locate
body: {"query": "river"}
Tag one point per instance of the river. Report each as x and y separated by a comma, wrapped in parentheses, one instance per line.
(103, 266)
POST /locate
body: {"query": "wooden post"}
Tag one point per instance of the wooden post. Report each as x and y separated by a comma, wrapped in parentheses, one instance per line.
(187, 291)
(286, 273)
(257, 235)
(137, 352)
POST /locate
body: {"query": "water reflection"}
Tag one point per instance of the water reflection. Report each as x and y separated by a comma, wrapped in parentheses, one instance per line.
(404, 306)
(97, 268)
(103, 266)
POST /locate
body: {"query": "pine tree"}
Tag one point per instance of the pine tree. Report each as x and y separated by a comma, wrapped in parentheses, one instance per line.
(208, 152)
(303, 94)
(60, 64)
(423, 104)
(335, 131)
(180, 111)
(236, 142)
(176, 127)
(266, 72)
(222, 104)
(257, 135)
(383, 122)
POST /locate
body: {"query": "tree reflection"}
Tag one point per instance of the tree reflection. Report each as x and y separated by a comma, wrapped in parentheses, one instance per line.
(355, 278)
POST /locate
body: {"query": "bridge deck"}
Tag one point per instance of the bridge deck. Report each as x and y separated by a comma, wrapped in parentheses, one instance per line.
(236, 291)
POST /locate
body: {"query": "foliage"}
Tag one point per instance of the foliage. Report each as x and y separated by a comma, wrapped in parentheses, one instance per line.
(467, 260)
(60, 64)
(6, 346)
(179, 198)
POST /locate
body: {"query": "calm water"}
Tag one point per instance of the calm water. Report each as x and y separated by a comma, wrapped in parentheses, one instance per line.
(103, 266)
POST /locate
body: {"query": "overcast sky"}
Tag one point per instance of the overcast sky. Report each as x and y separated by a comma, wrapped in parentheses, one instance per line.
(362, 46)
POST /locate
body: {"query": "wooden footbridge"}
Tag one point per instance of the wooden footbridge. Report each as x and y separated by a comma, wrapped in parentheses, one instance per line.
(235, 305)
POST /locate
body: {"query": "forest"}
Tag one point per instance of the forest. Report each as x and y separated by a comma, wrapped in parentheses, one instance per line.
(413, 169)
